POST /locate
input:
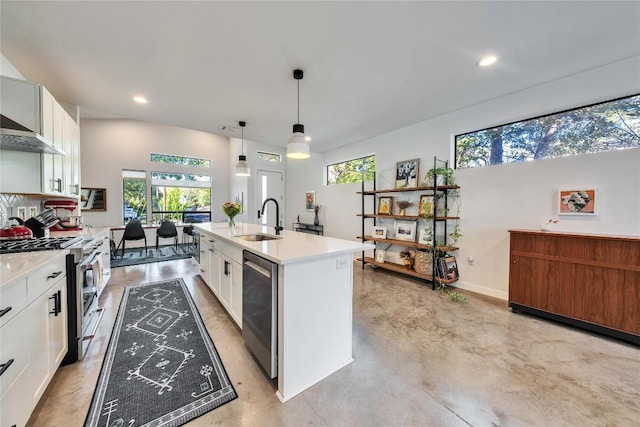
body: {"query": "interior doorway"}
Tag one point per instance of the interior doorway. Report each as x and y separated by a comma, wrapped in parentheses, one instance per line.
(270, 185)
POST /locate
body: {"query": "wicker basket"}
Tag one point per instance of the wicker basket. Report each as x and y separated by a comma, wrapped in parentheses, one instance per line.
(422, 262)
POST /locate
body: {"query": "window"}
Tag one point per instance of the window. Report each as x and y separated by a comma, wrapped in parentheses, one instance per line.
(352, 171)
(268, 157)
(607, 126)
(134, 184)
(179, 160)
(175, 194)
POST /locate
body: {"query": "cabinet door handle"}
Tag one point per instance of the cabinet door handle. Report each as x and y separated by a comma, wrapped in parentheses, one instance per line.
(226, 268)
(59, 181)
(54, 275)
(5, 366)
(5, 311)
(56, 303)
(59, 303)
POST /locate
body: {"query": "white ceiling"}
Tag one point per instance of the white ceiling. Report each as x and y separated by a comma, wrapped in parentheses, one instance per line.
(370, 67)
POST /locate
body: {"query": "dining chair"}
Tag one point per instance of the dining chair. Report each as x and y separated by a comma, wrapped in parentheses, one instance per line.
(133, 231)
(167, 230)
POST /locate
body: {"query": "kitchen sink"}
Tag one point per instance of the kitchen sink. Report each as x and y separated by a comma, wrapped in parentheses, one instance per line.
(257, 237)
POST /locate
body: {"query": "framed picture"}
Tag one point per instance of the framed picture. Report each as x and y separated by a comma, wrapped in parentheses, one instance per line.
(380, 255)
(406, 230)
(407, 173)
(33, 211)
(310, 200)
(22, 213)
(577, 202)
(384, 205)
(451, 267)
(425, 236)
(379, 232)
(426, 206)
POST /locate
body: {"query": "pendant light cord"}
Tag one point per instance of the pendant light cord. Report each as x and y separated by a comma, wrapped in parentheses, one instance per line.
(298, 100)
(242, 129)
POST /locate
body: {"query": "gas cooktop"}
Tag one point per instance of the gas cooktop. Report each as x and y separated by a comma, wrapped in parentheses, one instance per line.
(37, 244)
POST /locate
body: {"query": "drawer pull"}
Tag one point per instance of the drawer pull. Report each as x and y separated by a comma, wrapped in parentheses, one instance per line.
(5, 366)
(57, 303)
(5, 311)
(54, 275)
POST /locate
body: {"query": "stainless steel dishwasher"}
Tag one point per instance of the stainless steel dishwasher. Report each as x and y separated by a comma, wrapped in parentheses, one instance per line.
(260, 310)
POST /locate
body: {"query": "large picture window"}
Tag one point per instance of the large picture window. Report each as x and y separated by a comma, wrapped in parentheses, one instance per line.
(354, 170)
(607, 126)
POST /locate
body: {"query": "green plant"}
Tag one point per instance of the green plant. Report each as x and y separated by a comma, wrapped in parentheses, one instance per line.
(455, 234)
(447, 174)
(455, 296)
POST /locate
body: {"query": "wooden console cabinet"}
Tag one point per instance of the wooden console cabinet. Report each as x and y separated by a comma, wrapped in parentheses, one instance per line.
(588, 281)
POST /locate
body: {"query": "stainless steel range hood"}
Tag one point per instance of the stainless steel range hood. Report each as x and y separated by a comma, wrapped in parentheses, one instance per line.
(15, 137)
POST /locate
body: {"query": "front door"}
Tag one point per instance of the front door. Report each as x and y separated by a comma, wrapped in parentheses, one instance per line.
(270, 185)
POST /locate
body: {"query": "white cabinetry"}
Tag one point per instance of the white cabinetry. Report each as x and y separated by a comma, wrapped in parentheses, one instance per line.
(27, 104)
(214, 267)
(33, 333)
(204, 259)
(222, 271)
(33, 107)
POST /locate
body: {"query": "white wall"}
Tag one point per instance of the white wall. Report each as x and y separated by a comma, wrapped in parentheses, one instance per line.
(109, 146)
(497, 198)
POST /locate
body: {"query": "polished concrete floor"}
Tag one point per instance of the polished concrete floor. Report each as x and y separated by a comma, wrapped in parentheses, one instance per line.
(419, 360)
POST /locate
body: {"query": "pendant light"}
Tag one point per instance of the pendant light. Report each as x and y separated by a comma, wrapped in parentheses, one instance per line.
(242, 168)
(298, 147)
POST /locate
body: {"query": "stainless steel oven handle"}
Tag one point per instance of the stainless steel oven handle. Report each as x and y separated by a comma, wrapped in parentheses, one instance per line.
(92, 335)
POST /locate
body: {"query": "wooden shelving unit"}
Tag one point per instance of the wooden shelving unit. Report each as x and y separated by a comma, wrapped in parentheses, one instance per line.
(437, 222)
(404, 270)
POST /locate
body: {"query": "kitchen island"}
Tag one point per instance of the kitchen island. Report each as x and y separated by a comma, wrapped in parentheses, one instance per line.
(315, 299)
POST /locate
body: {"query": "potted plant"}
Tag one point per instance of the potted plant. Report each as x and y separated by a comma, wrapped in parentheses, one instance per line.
(445, 176)
(403, 205)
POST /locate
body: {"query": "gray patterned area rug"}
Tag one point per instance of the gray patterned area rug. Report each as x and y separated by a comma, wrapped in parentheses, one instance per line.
(161, 367)
(135, 256)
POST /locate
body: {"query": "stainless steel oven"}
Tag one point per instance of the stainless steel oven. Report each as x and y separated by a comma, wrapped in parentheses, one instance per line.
(86, 279)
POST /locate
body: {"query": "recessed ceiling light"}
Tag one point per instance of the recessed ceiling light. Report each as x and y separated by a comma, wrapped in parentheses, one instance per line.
(140, 99)
(487, 60)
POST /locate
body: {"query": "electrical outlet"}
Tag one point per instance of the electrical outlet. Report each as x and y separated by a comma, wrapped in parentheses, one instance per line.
(341, 263)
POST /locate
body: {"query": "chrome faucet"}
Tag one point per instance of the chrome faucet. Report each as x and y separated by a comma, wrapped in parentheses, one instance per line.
(278, 228)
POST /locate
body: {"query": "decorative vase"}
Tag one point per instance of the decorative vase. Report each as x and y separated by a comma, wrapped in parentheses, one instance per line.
(232, 225)
(316, 220)
(403, 212)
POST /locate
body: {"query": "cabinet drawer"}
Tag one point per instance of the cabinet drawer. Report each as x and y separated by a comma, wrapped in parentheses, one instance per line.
(13, 347)
(13, 299)
(232, 251)
(15, 407)
(45, 277)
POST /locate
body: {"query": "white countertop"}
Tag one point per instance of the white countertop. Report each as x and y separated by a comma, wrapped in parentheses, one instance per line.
(86, 233)
(291, 248)
(14, 266)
